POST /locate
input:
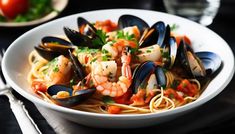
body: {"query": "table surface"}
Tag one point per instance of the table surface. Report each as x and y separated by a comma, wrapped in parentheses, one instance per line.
(216, 116)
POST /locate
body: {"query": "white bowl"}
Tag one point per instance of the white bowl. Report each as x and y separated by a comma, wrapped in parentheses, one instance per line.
(16, 66)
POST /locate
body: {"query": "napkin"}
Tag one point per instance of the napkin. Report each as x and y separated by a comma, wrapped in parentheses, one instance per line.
(63, 126)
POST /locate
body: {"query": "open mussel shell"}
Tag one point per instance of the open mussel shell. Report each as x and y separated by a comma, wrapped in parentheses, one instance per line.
(130, 20)
(52, 47)
(85, 27)
(211, 62)
(77, 67)
(157, 34)
(190, 61)
(143, 72)
(74, 99)
(77, 38)
(170, 52)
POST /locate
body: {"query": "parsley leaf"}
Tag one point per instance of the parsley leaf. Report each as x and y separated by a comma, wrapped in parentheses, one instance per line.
(126, 36)
(100, 38)
(107, 99)
(174, 27)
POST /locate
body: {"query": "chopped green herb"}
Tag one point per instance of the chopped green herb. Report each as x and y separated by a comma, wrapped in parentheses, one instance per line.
(100, 40)
(107, 100)
(105, 58)
(93, 60)
(56, 69)
(175, 84)
(72, 82)
(148, 51)
(127, 36)
(172, 96)
(174, 27)
(166, 55)
(104, 51)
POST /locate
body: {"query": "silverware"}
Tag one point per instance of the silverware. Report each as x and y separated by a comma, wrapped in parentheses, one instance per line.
(26, 123)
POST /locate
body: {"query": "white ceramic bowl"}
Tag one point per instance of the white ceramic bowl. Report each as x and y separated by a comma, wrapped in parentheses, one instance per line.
(16, 66)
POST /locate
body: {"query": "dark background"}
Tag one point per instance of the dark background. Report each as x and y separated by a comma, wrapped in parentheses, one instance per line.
(216, 116)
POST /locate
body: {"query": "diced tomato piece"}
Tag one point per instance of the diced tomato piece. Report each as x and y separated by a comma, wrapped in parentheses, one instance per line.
(186, 87)
(172, 93)
(114, 109)
(106, 26)
(39, 86)
(124, 99)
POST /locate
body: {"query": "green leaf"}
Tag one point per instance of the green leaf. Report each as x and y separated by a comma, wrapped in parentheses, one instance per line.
(174, 27)
(100, 40)
(107, 99)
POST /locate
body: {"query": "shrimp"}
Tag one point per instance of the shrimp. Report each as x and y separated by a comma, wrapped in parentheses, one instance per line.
(101, 80)
(59, 71)
(114, 49)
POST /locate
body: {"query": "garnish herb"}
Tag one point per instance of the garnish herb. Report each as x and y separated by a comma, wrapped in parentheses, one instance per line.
(174, 27)
(100, 40)
(126, 36)
(107, 100)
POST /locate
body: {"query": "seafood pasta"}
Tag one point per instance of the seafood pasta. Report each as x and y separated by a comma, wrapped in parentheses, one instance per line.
(124, 67)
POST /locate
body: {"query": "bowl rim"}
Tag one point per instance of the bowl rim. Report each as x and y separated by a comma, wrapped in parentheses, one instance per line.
(37, 100)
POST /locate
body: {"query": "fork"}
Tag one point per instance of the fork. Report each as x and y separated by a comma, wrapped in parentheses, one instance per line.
(25, 122)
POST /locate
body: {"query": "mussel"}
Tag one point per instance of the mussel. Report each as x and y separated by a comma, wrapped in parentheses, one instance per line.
(211, 62)
(77, 38)
(74, 98)
(156, 34)
(143, 72)
(52, 47)
(190, 62)
(86, 28)
(130, 20)
(200, 65)
(169, 52)
(87, 36)
(77, 67)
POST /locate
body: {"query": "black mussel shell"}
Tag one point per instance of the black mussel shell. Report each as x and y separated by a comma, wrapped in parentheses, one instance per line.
(75, 98)
(77, 38)
(142, 73)
(52, 47)
(211, 61)
(56, 40)
(170, 50)
(157, 34)
(47, 53)
(130, 20)
(77, 67)
(183, 53)
(85, 27)
(161, 77)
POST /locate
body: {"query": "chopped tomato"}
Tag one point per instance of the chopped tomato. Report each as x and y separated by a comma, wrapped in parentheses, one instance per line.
(39, 86)
(114, 109)
(106, 26)
(172, 93)
(139, 98)
(124, 99)
(186, 87)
